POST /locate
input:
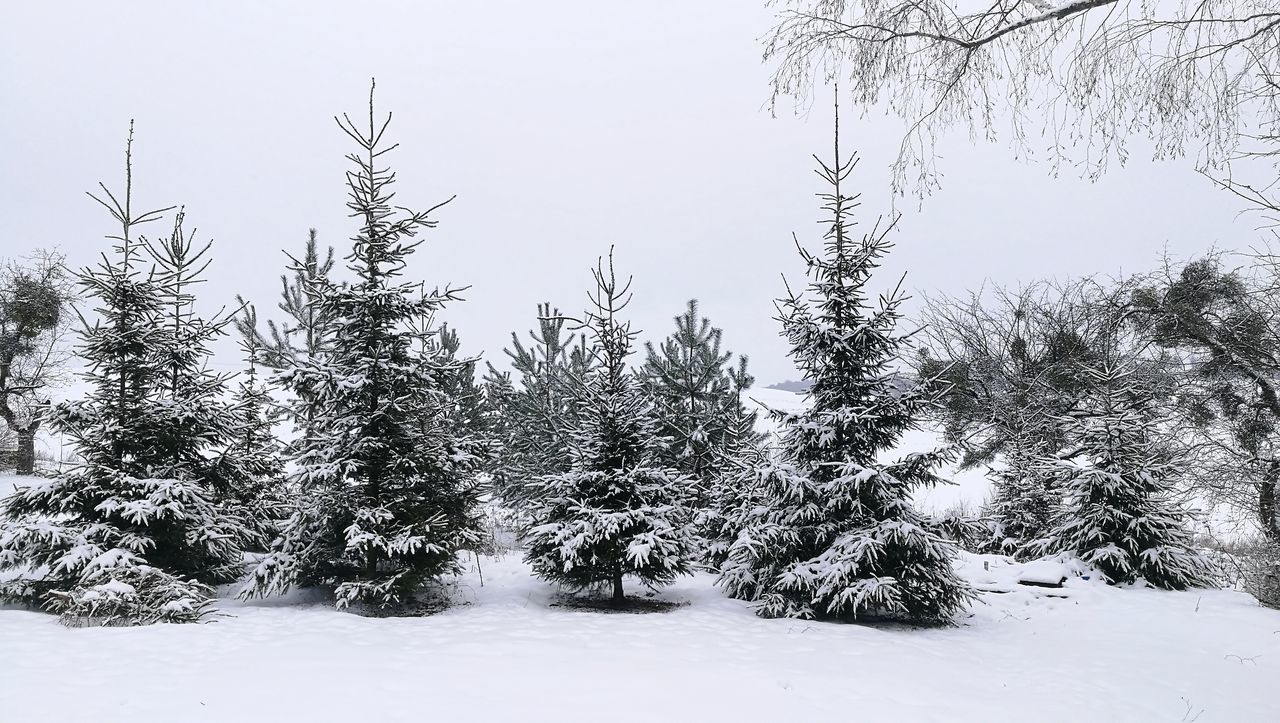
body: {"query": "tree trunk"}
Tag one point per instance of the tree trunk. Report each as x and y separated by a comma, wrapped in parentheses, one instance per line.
(618, 597)
(26, 461)
(1267, 505)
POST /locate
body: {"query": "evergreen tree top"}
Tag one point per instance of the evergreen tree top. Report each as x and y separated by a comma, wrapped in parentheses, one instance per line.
(385, 239)
(691, 361)
(848, 348)
(307, 326)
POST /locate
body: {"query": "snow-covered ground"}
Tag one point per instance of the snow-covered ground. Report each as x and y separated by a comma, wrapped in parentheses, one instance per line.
(7, 483)
(1086, 652)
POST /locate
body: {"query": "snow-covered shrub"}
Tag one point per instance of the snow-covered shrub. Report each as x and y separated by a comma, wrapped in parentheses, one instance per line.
(1252, 565)
(131, 595)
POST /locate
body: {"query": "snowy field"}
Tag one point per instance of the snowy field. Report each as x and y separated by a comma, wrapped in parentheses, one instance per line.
(506, 653)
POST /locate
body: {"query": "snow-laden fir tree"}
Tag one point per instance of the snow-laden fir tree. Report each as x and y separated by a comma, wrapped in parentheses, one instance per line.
(826, 530)
(534, 418)
(616, 513)
(387, 484)
(1120, 513)
(697, 395)
(1024, 496)
(135, 533)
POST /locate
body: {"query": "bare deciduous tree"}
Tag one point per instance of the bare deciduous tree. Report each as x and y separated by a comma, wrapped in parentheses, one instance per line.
(1074, 79)
(1014, 361)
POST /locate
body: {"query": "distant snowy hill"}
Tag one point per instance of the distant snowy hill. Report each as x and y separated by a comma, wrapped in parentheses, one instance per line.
(799, 387)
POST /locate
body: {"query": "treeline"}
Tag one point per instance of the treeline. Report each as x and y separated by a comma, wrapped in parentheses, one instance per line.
(618, 464)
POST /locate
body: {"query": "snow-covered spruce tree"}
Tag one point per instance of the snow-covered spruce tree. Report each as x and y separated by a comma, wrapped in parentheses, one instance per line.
(133, 534)
(535, 417)
(1120, 514)
(616, 513)
(1025, 496)
(825, 530)
(697, 395)
(386, 483)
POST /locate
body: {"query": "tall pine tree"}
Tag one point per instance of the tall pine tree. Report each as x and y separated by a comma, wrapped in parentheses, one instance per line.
(535, 417)
(616, 513)
(697, 393)
(387, 483)
(305, 333)
(1120, 515)
(135, 533)
(826, 530)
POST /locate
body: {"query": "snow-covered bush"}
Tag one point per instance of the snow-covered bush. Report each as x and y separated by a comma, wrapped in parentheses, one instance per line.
(500, 528)
(131, 595)
(1252, 565)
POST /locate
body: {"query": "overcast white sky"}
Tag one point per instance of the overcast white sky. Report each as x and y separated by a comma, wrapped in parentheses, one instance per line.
(562, 127)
